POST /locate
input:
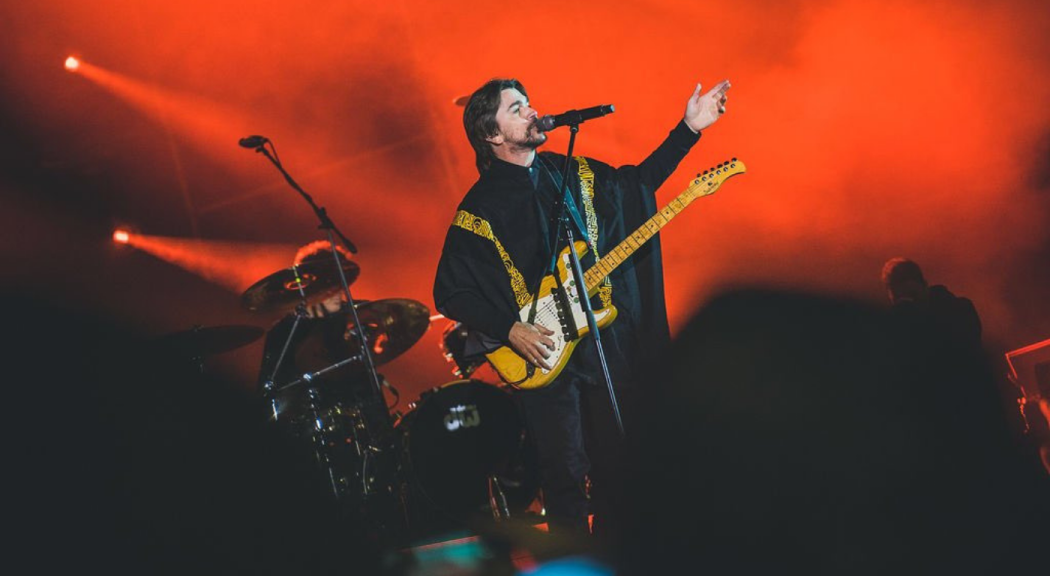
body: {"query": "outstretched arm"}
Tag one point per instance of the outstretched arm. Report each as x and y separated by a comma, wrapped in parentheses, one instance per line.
(701, 111)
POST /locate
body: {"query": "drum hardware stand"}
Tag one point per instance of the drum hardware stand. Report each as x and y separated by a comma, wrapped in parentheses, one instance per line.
(269, 387)
(320, 441)
(310, 376)
(497, 500)
(564, 207)
(321, 437)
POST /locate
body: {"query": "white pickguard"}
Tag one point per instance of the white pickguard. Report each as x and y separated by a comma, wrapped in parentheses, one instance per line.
(547, 316)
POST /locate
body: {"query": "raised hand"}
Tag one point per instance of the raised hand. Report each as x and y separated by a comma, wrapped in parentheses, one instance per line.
(704, 110)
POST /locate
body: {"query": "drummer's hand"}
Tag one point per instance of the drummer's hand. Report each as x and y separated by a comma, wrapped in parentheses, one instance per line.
(532, 343)
(330, 305)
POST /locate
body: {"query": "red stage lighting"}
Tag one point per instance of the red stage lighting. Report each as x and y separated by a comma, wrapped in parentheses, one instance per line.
(121, 236)
(72, 64)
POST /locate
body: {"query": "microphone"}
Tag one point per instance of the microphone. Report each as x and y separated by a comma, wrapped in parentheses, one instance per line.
(548, 123)
(253, 141)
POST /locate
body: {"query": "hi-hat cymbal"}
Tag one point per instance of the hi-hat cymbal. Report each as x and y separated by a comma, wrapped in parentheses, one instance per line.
(200, 341)
(393, 325)
(280, 291)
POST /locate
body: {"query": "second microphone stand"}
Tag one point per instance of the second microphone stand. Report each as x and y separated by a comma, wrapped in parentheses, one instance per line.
(331, 230)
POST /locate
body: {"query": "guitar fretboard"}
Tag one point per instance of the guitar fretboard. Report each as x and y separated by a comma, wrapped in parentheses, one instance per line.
(635, 240)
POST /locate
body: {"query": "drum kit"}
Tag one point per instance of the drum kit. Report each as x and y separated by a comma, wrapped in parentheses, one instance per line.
(460, 451)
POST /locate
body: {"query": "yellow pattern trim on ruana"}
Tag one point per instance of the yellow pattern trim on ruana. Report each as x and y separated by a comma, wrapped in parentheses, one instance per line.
(481, 227)
(587, 193)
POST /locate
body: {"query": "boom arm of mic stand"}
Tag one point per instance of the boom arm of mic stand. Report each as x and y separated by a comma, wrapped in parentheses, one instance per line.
(322, 214)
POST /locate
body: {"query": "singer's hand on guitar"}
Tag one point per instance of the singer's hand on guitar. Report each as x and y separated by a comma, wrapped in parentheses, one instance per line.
(532, 343)
(703, 110)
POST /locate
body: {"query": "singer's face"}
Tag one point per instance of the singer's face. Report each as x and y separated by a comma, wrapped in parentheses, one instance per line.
(516, 122)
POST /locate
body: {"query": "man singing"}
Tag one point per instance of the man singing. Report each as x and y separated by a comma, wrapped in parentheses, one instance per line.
(497, 251)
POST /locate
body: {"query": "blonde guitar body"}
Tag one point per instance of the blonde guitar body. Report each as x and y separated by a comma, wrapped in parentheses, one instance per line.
(559, 308)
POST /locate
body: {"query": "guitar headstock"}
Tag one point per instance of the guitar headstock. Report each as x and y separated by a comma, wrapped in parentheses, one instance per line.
(709, 180)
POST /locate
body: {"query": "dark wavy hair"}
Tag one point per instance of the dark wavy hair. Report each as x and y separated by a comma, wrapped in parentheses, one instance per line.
(479, 117)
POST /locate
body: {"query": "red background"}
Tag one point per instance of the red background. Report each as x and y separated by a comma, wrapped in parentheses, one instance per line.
(871, 130)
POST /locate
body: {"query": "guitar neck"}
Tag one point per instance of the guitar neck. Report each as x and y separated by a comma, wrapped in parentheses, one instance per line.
(635, 240)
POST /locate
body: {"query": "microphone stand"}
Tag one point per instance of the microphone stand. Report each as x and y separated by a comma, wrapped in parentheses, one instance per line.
(563, 224)
(331, 230)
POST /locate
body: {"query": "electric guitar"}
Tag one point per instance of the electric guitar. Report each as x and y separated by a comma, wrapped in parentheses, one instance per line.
(559, 308)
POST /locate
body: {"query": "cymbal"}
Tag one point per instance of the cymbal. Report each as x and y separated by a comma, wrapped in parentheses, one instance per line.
(280, 291)
(201, 341)
(393, 325)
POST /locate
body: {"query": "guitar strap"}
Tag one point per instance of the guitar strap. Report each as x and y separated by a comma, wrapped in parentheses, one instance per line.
(590, 232)
(570, 206)
(587, 193)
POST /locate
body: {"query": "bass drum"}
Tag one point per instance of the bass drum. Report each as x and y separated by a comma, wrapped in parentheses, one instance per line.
(467, 453)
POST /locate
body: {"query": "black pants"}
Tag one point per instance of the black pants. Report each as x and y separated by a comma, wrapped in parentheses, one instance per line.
(572, 424)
